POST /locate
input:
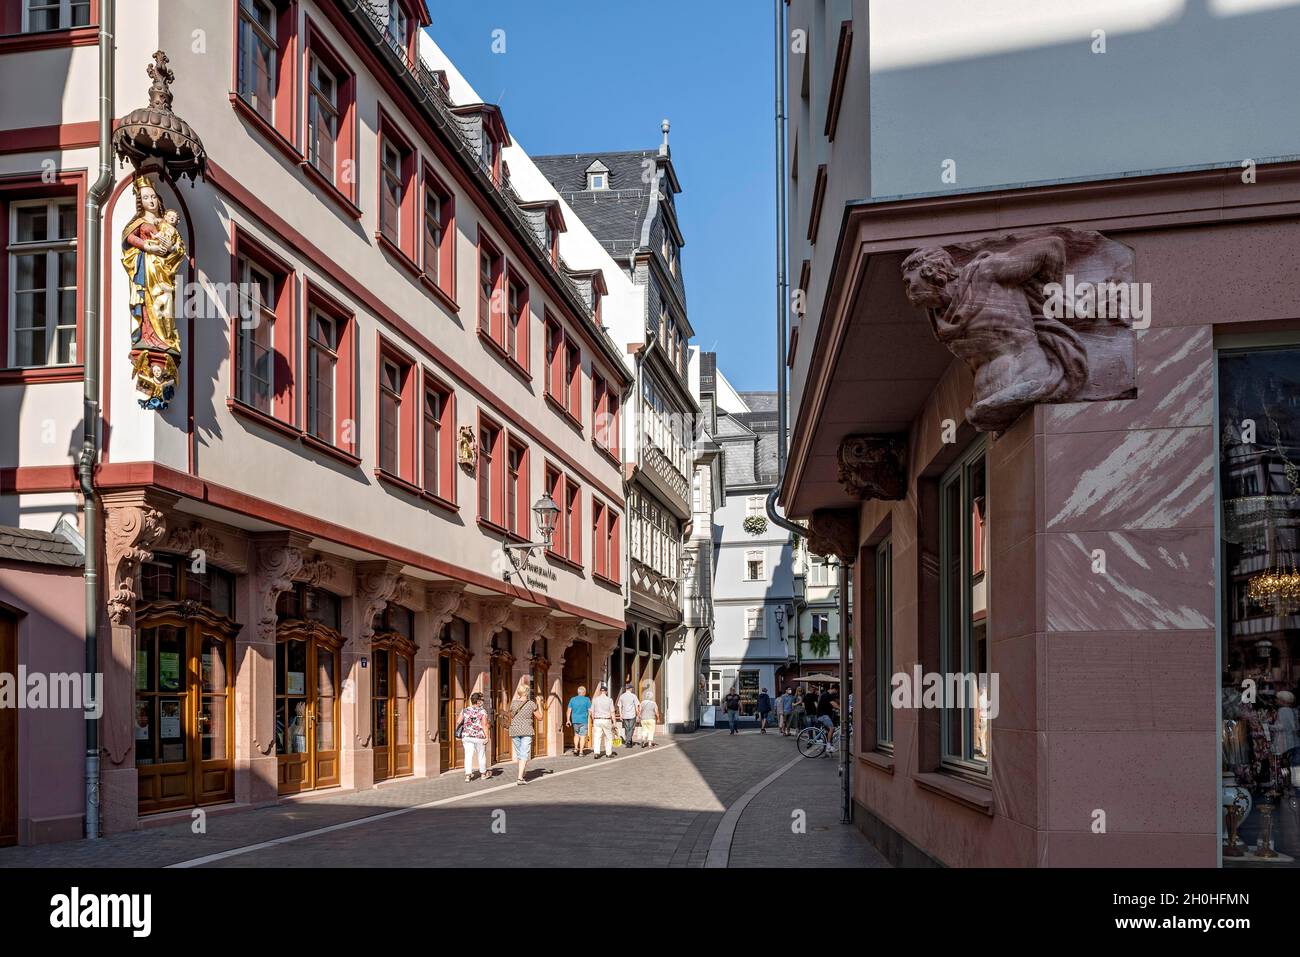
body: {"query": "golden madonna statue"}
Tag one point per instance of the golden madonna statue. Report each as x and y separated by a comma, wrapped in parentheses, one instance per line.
(152, 254)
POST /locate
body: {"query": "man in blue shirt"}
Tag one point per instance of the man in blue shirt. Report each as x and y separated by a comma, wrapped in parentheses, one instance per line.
(579, 712)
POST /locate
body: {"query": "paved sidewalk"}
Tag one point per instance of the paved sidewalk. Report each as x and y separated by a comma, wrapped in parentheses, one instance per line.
(656, 808)
(766, 835)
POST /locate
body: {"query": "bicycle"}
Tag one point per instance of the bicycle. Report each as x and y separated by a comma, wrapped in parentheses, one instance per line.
(816, 742)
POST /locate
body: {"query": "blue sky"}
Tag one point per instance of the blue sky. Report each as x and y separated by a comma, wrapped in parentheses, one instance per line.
(578, 77)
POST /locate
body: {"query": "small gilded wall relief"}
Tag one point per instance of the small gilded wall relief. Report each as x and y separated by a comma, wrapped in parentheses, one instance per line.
(1045, 315)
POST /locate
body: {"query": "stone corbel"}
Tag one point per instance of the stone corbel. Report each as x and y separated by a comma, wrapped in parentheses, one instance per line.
(134, 523)
(874, 466)
(443, 600)
(561, 633)
(834, 531)
(279, 560)
(493, 613)
(214, 546)
(1044, 315)
(377, 584)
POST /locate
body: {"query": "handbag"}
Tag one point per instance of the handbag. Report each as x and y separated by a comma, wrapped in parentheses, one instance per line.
(460, 727)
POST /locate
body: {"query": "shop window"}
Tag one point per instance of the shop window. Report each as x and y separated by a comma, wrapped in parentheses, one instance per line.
(396, 196)
(963, 616)
(884, 604)
(518, 504)
(398, 415)
(42, 295)
(1259, 474)
(491, 474)
(438, 245)
(307, 713)
(331, 107)
(439, 440)
(263, 333)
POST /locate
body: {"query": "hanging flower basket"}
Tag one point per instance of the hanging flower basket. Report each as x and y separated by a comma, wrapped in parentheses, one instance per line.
(755, 524)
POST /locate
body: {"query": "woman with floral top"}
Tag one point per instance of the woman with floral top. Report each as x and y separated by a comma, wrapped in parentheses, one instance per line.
(473, 726)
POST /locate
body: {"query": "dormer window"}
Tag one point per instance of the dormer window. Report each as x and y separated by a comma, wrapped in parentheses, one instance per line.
(597, 176)
(397, 24)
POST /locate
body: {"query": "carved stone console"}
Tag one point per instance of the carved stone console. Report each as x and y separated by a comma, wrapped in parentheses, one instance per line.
(874, 466)
(1046, 315)
(834, 531)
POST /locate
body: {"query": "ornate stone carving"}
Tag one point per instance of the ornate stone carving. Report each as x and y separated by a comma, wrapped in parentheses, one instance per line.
(834, 531)
(874, 466)
(377, 583)
(132, 530)
(494, 612)
(315, 572)
(444, 599)
(278, 562)
(1039, 316)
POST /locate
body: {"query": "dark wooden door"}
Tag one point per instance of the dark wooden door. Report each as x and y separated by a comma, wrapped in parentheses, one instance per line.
(577, 672)
(8, 736)
(501, 695)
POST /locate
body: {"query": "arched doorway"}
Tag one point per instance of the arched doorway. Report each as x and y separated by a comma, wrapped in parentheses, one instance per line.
(184, 692)
(577, 673)
(392, 668)
(307, 643)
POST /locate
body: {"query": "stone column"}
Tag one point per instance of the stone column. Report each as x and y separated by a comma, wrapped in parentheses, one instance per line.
(278, 557)
(376, 584)
(442, 601)
(561, 634)
(134, 523)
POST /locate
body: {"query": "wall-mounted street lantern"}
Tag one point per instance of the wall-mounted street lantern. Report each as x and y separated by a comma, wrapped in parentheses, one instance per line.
(545, 514)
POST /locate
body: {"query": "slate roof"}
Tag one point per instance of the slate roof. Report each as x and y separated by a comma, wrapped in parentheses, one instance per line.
(616, 215)
(40, 548)
(750, 441)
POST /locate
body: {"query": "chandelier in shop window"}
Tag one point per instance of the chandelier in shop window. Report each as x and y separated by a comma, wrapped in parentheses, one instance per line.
(1275, 586)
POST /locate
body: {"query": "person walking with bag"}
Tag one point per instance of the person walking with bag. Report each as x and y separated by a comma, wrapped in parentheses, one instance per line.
(472, 729)
(764, 705)
(523, 711)
(649, 712)
(602, 723)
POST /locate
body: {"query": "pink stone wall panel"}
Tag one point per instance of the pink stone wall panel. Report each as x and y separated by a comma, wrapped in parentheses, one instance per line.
(1153, 579)
(1122, 849)
(1140, 478)
(1129, 681)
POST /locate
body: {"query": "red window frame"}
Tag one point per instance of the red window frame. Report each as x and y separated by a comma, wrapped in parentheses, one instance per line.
(517, 488)
(491, 472)
(573, 378)
(438, 266)
(406, 417)
(489, 273)
(399, 237)
(11, 28)
(341, 183)
(344, 438)
(554, 361)
(282, 126)
(571, 513)
(284, 336)
(613, 538)
(65, 186)
(554, 480)
(441, 484)
(599, 548)
(518, 315)
(604, 416)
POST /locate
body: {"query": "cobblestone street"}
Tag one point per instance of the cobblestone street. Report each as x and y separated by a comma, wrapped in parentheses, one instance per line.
(688, 803)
